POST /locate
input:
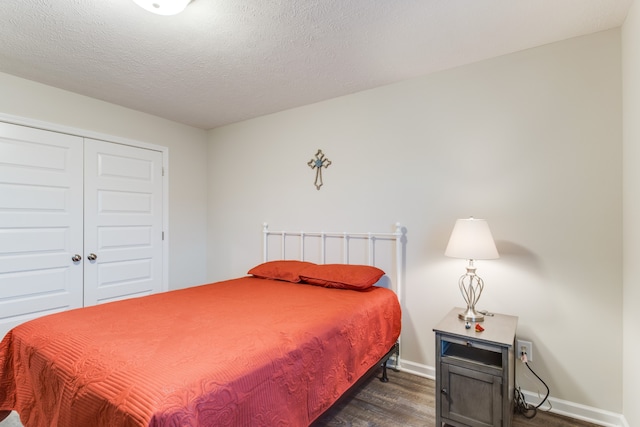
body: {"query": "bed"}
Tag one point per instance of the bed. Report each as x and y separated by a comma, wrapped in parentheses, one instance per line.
(274, 348)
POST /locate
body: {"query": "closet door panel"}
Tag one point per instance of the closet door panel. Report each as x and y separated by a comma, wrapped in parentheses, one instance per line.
(41, 191)
(123, 221)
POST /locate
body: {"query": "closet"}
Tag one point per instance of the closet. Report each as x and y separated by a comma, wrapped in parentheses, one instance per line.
(80, 222)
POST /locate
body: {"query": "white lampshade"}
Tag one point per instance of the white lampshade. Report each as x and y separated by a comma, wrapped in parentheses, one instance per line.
(471, 239)
(163, 7)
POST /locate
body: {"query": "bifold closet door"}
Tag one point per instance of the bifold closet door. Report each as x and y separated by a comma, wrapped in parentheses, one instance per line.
(80, 222)
(122, 222)
(41, 234)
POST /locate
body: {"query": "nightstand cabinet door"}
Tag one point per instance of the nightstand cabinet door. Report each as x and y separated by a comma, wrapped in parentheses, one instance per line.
(470, 397)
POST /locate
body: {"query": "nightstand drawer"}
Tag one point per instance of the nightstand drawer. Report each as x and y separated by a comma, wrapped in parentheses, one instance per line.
(471, 351)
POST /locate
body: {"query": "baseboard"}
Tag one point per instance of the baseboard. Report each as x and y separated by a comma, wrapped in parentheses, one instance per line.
(577, 411)
(417, 369)
(558, 406)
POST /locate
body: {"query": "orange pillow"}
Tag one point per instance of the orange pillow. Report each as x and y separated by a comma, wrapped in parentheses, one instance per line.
(288, 270)
(342, 276)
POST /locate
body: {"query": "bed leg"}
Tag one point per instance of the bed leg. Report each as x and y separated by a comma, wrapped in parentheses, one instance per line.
(395, 350)
(384, 378)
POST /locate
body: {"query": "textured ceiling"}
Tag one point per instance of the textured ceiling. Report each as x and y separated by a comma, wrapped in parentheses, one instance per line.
(222, 61)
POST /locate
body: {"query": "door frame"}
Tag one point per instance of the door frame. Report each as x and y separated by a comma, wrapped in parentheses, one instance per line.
(84, 133)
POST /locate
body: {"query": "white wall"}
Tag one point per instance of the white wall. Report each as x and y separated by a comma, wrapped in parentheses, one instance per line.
(530, 141)
(631, 197)
(187, 160)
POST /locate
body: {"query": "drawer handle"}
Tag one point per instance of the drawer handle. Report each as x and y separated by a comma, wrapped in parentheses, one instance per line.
(76, 258)
(469, 344)
(443, 391)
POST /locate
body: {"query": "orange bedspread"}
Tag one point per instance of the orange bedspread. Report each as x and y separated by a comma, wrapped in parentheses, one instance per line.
(243, 352)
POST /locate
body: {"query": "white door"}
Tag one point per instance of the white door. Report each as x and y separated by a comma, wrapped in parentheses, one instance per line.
(41, 190)
(123, 222)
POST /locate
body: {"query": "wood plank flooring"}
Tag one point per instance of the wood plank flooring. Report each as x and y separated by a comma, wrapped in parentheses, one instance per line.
(408, 400)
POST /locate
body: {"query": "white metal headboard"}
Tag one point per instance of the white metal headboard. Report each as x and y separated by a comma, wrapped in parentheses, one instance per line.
(369, 237)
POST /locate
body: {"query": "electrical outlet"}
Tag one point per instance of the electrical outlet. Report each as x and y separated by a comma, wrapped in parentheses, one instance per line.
(526, 347)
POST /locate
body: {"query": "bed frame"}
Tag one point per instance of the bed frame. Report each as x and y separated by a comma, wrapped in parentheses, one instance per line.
(367, 248)
(383, 250)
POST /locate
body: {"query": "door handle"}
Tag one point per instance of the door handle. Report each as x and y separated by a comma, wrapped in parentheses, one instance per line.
(76, 258)
(92, 257)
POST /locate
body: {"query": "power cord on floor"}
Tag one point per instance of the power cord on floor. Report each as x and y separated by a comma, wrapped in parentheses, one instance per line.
(521, 406)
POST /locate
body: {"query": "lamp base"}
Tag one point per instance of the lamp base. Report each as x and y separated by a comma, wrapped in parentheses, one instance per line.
(471, 315)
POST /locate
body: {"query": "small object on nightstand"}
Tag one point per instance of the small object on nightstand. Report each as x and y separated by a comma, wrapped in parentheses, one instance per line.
(467, 325)
(479, 327)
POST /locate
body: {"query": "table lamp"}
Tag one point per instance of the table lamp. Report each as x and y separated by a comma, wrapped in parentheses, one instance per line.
(471, 239)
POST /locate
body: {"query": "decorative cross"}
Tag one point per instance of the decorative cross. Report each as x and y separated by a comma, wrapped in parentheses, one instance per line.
(318, 163)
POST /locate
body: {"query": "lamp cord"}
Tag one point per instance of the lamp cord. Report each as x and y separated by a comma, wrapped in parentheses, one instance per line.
(521, 406)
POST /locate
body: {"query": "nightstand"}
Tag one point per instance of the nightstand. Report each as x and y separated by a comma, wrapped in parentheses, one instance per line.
(475, 371)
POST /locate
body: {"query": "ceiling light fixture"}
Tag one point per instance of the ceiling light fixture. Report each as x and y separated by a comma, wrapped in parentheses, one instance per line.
(163, 7)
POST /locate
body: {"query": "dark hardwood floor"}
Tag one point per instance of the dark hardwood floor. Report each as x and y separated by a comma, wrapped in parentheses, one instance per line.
(408, 400)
